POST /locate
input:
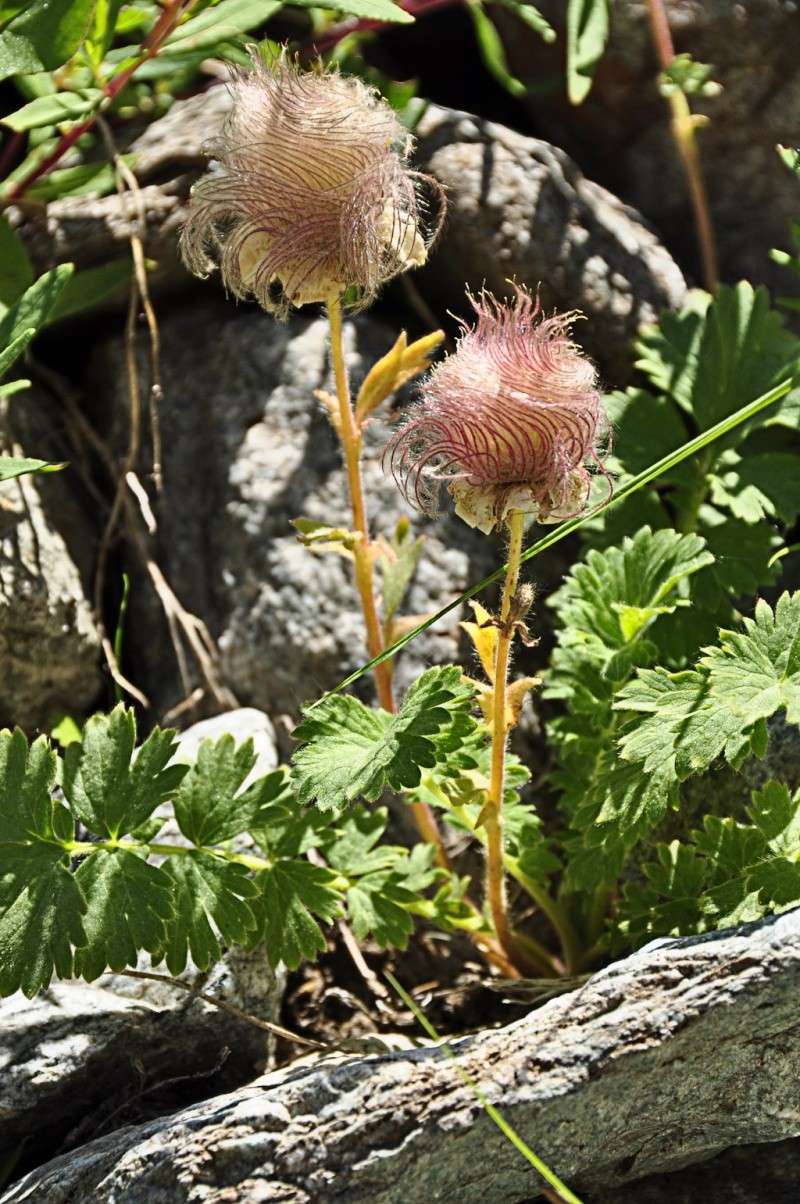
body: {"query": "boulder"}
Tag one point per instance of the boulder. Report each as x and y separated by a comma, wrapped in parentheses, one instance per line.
(519, 208)
(660, 1062)
(49, 646)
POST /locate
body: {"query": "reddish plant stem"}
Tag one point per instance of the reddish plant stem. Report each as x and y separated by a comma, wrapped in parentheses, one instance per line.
(170, 16)
(683, 130)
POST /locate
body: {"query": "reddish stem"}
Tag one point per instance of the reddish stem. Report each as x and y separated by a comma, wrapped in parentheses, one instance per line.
(171, 14)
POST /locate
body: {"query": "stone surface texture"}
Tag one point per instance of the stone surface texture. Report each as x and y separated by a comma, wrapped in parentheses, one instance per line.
(520, 208)
(620, 134)
(49, 647)
(663, 1060)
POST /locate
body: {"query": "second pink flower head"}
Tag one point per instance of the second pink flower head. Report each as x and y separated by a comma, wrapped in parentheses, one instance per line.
(510, 421)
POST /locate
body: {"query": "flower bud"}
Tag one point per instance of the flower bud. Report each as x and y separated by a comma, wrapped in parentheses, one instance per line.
(508, 422)
(310, 195)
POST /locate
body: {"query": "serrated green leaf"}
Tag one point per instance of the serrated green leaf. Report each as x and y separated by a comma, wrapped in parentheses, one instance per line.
(27, 776)
(54, 109)
(283, 826)
(760, 485)
(352, 752)
(292, 894)
(756, 672)
(40, 916)
(377, 906)
(717, 353)
(587, 34)
(110, 791)
(208, 806)
(43, 36)
(211, 901)
(17, 273)
(127, 904)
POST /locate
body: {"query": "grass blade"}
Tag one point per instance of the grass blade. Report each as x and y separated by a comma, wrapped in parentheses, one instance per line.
(541, 1168)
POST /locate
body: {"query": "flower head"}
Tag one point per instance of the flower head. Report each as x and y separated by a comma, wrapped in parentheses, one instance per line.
(311, 194)
(508, 421)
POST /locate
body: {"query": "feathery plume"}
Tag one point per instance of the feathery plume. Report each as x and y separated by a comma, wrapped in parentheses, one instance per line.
(311, 194)
(507, 422)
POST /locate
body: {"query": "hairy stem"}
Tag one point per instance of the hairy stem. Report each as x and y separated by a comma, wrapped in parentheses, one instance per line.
(683, 131)
(350, 437)
(493, 811)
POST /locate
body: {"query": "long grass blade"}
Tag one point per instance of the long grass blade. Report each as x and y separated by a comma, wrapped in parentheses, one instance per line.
(541, 1168)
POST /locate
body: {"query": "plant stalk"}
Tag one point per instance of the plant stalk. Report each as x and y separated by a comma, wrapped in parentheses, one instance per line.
(683, 131)
(493, 810)
(350, 436)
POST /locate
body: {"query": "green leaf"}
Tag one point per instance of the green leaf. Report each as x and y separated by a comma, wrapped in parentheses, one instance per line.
(12, 466)
(352, 752)
(210, 805)
(91, 287)
(370, 10)
(40, 916)
(531, 15)
(220, 23)
(43, 36)
(17, 347)
(587, 34)
(32, 310)
(717, 353)
(210, 897)
(758, 486)
(397, 566)
(85, 179)
(756, 672)
(492, 50)
(292, 893)
(52, 110)
(127, 905)
(17, 273)
(109, 790)
(27, 776)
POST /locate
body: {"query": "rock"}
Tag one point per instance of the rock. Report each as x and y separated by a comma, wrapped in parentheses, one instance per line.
(49, 646)
(244, 724)
(247, 448)
(659, 1062)
(520, 208)
(620, 135)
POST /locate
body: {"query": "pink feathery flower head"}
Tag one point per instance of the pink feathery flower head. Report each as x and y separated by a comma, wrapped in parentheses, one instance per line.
(310, 194)
(510, 421)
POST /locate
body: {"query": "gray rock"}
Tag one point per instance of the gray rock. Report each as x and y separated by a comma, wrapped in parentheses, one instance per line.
(520, 208)
(659, 1062)
(49, 647)
(246, 449)
(620, 135)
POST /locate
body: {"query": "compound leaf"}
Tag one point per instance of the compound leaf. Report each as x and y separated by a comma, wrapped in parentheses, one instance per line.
(41, 909)
(756, 672)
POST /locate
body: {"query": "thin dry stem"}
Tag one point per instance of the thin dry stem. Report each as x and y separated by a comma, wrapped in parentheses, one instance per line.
(683, 131)
(267, 1025)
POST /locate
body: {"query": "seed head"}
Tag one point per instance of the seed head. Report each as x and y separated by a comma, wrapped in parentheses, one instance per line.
(310, 194)
(508, 422)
